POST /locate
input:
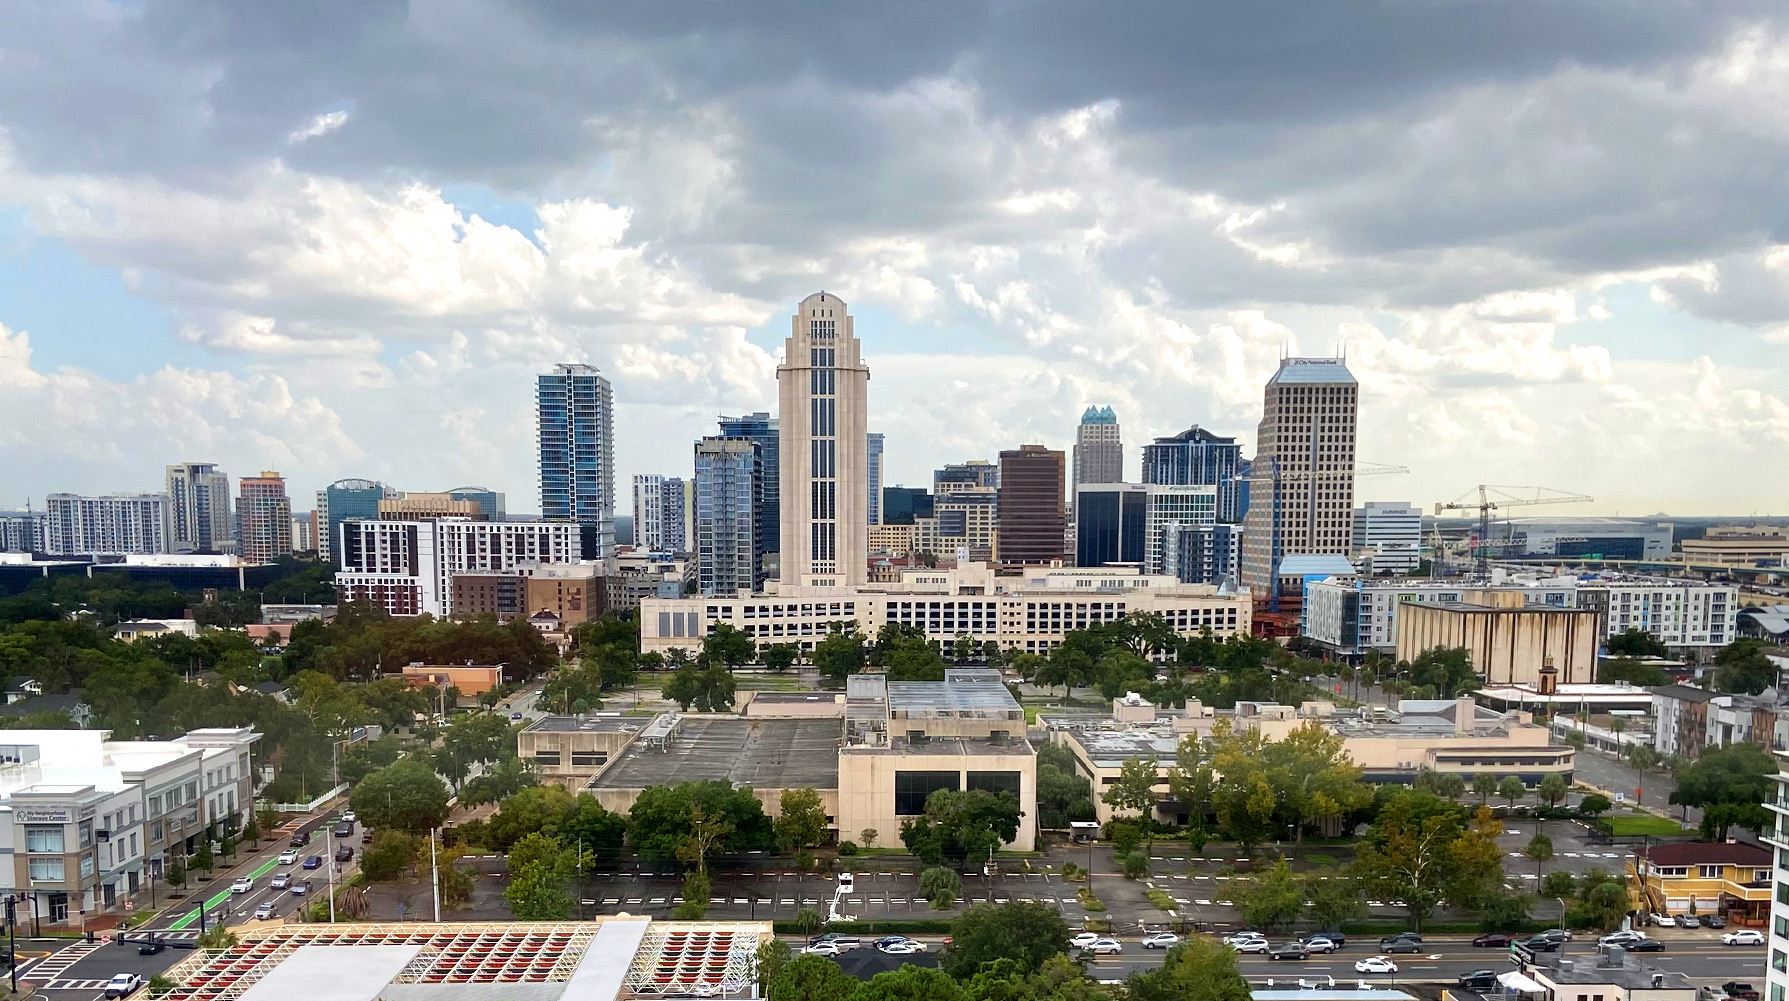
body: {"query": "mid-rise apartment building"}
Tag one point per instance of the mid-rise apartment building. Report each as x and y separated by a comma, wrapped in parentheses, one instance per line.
(1776, 835)
(264, 516)
(199, 518)
(1029, 613)
(22, 531)
(575, 422)
(765, 431)
(407, 567)
(729, 474)
(77, 525)
(659, 513)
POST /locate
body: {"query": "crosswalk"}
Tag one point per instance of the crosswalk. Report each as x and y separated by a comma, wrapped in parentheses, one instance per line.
(75, 985)
(51, 967)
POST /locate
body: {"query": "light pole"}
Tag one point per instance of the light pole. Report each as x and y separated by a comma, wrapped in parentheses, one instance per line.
(329, 843)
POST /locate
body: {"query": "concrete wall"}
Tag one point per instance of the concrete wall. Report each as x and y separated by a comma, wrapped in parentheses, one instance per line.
(574, 777)
(867, 786)
(1507, 646)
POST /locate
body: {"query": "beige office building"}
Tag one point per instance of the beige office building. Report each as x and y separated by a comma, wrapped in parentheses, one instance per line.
(823, 391)
(1308, 415)
(1508, 641)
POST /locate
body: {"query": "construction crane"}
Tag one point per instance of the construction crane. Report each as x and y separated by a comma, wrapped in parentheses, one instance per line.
(1493, 498)
(1273, 476)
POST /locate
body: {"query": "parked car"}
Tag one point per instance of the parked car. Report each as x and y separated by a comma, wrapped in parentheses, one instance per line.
(1334, 936)
(1714, 921)
(1744, 936)
(1290, 950)
(288, 856)
(1479, 980)
(344, 853)
(1647, 945)
(1740, 989)
(264, 912)
(1161, 940)
(892, 940)
(1402, 945)
(1319, 943)
(822, 949)
(1622, 938)
(122, 985)
(314, 862)
(1244, 936)
(1105, 946)
(281, 881)
(242, 885)
(1375, 964)
(515, 717)
(1084, 939)
(843, 941)
(1664, 921)
(1494, 940)
(906, 948)
(366, 835)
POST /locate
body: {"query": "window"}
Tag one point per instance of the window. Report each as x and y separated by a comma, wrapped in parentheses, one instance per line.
(47, 840)
(1007, 782)
(155, 831)
(589, 758)
(546, 757)
(48, 869)
(86, 866)
(1779, 961)
(1709, 871)
(1669, 871)
(1760, 875)
(1782, 927)
(912, 788)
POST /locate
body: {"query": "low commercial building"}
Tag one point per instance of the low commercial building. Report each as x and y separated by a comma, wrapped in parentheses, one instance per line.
(1454, 736)
(1028, 613)
(1509, 642)
(603, 959)
(471, 679)
(793, 705)
(1611, 974)
(873, 759)
(131, 630)
(1728, 878)
(1740, 545)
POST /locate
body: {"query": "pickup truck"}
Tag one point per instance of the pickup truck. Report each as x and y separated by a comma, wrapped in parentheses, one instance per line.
(1740, 990)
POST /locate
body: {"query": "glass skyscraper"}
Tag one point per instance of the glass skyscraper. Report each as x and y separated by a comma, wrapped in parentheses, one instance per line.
(761, 429)
(1196, 457)
(875, 454)
(728, 472)
(576, 423)
(338, 502)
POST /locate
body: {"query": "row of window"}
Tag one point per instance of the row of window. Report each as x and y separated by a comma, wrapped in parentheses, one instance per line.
(579, 759)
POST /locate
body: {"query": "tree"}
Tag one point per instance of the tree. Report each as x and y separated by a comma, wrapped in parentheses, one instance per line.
(1540, 849)
(1134, 865)
(1273, 899)
(1552, 789)
(910, 983)
(941, 885)
(696, 888)
(869, 836)
(772, 956)
(1742, 667)
(1506, 912)
(535, 810)
(1134, 788)
(1198, 969)
(538, 870)
(1730, 785)
(202, 859)
(1450, 786)
(709, 689)
(1602, 906)
(706, 832)
(1641, 759)
(807, 919)
(659, 822)
(1628, 670)
(1575, 739)
(1446, 669)
(390, 854)
(1063, 793)
(780, 656)
(840, 655)
(1422, 851)
(1636, 643)
(958, 826)
(1512, 789)
(1594, 805)
(1026, 933)
(801, 822)
(727, 645)
(1484, 786)
(1559, 884)
(175, 874)
(1334, 900)
(404, 796)
(812, 978)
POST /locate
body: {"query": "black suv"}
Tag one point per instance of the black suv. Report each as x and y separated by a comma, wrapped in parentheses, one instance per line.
(300, 839)
(1479, 980)
(344, 853)
(344, 830)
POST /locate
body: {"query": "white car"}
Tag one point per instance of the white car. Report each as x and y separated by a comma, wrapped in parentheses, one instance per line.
(1319, 943)
(902, 948)
(821, 949)
(1664, 921)
(1105, 946)
(1084, 939)
(1622, 938)
(1250, 945)
(281, 880)
(288, 856)
(264, 912)
(1244, 936)
(1161, 940)
(242, 885)
(1375, 964)
(1744, 936)
(349, 817)
(122, 985)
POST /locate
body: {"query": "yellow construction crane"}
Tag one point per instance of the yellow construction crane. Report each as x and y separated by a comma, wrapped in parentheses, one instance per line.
(1491, 498)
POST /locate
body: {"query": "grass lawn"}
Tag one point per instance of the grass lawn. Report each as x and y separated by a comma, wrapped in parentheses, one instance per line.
(1640, 823)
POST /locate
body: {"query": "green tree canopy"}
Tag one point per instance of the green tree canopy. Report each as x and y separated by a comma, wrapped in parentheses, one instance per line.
(1636, 643)
(1023, 932)
(801, 819)
(659, 822)
(1730, 785)
(812, 978)
(404, 796)
(961, 826)
(910, 983)
(1198, 969)
(1742, 667)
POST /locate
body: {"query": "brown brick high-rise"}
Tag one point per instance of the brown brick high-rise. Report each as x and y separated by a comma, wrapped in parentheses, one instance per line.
(1032, 516)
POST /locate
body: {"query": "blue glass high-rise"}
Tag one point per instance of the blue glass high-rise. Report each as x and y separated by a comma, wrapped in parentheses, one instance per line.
(576, 425)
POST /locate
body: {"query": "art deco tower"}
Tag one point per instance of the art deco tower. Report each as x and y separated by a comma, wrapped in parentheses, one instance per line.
(823, 391)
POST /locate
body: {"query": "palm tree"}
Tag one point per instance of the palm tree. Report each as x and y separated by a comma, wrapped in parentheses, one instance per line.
(1484, 784)
(1512, 789)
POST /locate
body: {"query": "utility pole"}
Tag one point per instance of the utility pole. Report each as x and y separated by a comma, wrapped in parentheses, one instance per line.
(329, 842)
(12, 940)
(435, 875)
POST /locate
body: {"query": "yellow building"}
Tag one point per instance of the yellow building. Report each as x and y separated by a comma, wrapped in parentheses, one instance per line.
(1726, 878)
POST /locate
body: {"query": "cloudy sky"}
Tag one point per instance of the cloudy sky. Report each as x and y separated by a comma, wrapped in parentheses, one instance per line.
(336, 238)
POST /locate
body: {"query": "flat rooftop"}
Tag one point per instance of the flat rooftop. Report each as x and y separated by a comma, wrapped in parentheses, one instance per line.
(795, 698)
(1595, 969)
(761, 753)
(948, 745)
(602, 723)
(951, 698)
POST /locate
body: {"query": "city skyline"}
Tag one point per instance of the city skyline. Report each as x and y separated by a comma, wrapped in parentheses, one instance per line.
(373, 294)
